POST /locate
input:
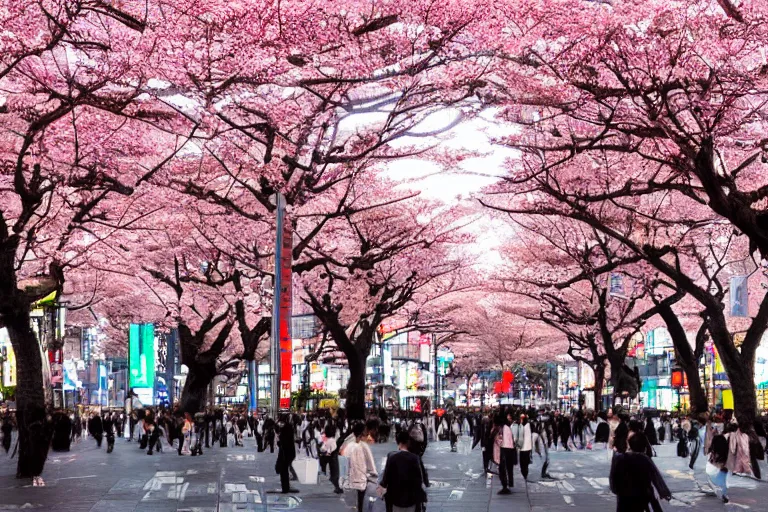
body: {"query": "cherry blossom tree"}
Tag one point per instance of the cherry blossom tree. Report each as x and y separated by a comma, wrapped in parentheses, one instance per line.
(652, 112)
(74, 79)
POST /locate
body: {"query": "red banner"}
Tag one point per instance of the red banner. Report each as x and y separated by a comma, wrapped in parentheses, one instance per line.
(286, 301)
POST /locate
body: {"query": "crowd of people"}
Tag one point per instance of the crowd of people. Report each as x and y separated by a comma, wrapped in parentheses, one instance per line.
(506, 437)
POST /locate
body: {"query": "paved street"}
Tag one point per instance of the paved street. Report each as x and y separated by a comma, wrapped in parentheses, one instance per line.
(230, 479)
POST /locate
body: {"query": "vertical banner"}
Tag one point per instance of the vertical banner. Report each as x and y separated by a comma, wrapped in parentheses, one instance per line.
(286, 301)
(739, 296)
(141, 349)
(253, 386)
(616, 286)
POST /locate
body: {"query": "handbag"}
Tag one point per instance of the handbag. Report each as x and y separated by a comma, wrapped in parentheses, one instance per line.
(493, 467)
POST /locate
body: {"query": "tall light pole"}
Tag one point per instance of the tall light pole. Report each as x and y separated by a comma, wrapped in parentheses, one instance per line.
(274, 347)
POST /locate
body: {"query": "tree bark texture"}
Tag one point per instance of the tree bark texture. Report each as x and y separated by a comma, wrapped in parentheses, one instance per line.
(195, 393)
(34, 433)
(355, 404)
(687, 359)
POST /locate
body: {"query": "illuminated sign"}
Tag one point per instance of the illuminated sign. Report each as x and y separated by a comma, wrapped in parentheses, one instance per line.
(141, 347)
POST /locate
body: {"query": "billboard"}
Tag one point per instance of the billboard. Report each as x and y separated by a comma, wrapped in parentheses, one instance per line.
(141, 359)
(285, 305)
(739, 296)
(9, 359)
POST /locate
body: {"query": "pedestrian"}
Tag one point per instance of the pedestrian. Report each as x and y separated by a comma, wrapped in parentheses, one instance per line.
(361, 464)
(564, 429)
(402, 479)
(634, 476)
(483, 438)
(603, 430)
(62, 432)
(109, 431)
(650, 432)
(694, 442)
(620, 437)
(329, 456)
(152, 433)
(286, 453)
(738, 450)
(187, 428)
(417, 434)
(258, 429)
(521, 432)
(717, 471)
(504, 453)
(269, 434)
(96, 428)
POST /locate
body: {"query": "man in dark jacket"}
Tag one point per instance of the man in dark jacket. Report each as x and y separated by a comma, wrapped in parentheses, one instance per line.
(96, 428)
(402, 478)
(109, 431)
(633, 476)
(286, 453)
(483, 438)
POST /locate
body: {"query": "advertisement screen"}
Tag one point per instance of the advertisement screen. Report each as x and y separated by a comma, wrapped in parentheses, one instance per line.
(141, 346)
(286, 302)
(9, 359)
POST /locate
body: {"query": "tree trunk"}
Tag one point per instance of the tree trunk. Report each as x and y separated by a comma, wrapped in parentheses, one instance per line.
(696, 392)
(687, 360)
(355, 404)
(599, 380)
(195, 393)
(624, 381)
(740, 371)
(34, 433)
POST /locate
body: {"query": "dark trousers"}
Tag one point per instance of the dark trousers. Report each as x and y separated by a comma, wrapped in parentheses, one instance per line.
(694, 451)
(506, 467)
(98, 437)
(486, 459)
(260, 442)
(631, 504)
(154, 440)
(755, 466)
(525, 461)
(334, 466)
(285, 478)
(360, 500)
(110, 442)
(270, 441)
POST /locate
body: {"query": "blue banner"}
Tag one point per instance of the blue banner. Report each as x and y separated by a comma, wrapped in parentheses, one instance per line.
(739, 294)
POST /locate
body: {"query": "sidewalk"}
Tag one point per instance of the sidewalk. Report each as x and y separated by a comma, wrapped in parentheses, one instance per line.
(236, 479)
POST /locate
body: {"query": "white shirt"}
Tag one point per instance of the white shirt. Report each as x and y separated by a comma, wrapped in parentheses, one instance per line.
(507, 441)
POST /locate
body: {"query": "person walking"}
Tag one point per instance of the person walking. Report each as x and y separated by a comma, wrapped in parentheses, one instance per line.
(109, 431)
(286, 453)
(329, 455)
(62, 432)
(504, 454)
(634, 476)
(361, 464)
(717, 471)
(603, 430)
(521, 432)
(564, 429)
(96, 428)
(694, 442)
(483, 438)
(402, 479)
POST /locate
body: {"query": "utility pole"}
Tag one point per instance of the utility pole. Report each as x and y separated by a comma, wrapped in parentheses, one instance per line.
(274, 348)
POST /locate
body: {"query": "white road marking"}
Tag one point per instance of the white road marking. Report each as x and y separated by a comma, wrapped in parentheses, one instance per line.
(76, 477)
(568, 500)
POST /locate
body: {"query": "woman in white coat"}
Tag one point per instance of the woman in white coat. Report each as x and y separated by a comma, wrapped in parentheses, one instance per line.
(361, 464)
